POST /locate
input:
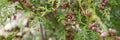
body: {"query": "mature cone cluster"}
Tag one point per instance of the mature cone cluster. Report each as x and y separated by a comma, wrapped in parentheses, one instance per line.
(70, 20)
(103, 3)
(117, 38)
(111, 32)
(69, 36)
(65, 5)
(28, 4)
(95, 28)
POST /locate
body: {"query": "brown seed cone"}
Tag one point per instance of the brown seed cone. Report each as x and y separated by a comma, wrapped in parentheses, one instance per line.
(72, 13)
(63, 6)
(112, 32)
(103, 35)
(75, 3)
(69, 29)
(67, 23)
(94, 29)
(103, 4)
(102, 7)
(68, 16)
(98, 30)
(84, 4)
(73, 19)
(116, 38)
(86, 13)
(105, 1)
(69, 37)
(73, 23)
(93, 24)
(67, 3)
(54, 10)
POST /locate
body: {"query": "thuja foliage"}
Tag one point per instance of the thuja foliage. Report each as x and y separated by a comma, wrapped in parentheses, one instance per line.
(59, 19)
